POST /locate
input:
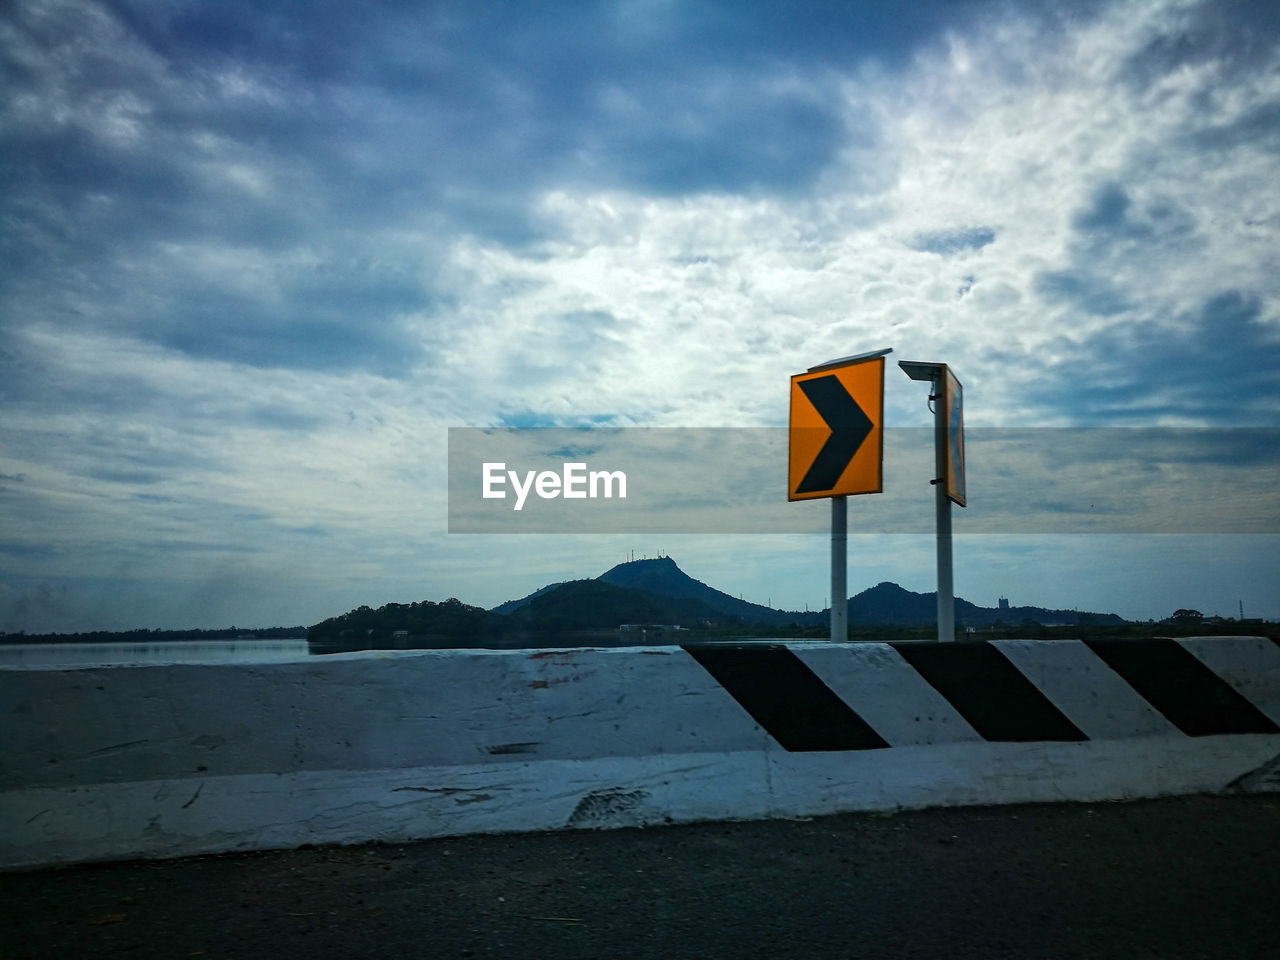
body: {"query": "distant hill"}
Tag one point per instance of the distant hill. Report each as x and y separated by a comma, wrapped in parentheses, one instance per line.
(595, 604)
(890, 605)
(511, 606)
(145, 635)
(662, 578)
(450, 620)
(648, 592)
(887, 604)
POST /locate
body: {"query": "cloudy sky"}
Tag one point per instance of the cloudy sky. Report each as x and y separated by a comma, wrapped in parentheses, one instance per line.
(259, 257)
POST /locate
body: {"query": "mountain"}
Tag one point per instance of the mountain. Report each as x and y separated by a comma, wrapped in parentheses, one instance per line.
(364, 627)
(640, 591)
(889, 604)
(511, 606)
(595, 604)
(645, 592)
(885, 604)
(576, 611)
(661, 577)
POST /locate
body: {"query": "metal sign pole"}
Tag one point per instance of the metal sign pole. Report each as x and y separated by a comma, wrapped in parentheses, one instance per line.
(946, 590)
(835, 448)
(839, 560)
(948, 473)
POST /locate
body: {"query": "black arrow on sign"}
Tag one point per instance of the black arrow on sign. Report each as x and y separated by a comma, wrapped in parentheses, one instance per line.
(849, 427)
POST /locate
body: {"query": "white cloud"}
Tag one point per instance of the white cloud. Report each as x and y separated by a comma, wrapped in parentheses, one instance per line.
(1014, 133)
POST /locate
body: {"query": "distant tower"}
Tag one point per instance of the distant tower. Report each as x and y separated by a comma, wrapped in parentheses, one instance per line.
(1004, 603)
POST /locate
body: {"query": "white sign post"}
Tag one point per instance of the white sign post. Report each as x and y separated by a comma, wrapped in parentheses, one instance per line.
(948, 480)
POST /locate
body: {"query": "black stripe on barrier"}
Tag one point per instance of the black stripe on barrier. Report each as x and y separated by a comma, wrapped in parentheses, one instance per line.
(989, 692)
(1169, 677)
(786, 698)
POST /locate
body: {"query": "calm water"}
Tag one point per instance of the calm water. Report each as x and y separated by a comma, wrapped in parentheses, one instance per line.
(176, 651)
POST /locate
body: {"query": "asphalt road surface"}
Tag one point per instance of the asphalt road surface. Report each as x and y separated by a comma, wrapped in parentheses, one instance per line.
(1188, 877)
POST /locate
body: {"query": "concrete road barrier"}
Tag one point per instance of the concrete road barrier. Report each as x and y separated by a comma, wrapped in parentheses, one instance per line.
(179, 759)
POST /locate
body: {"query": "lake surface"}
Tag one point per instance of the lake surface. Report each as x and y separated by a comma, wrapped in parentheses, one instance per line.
(169, 651)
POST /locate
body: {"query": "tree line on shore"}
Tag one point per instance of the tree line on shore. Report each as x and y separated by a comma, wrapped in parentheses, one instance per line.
(143, 635)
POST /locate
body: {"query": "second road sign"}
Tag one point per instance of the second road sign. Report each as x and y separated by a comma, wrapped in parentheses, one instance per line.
(953, 417)
(836, 437)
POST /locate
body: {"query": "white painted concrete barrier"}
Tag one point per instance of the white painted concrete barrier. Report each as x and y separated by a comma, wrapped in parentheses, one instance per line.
(172, 760)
